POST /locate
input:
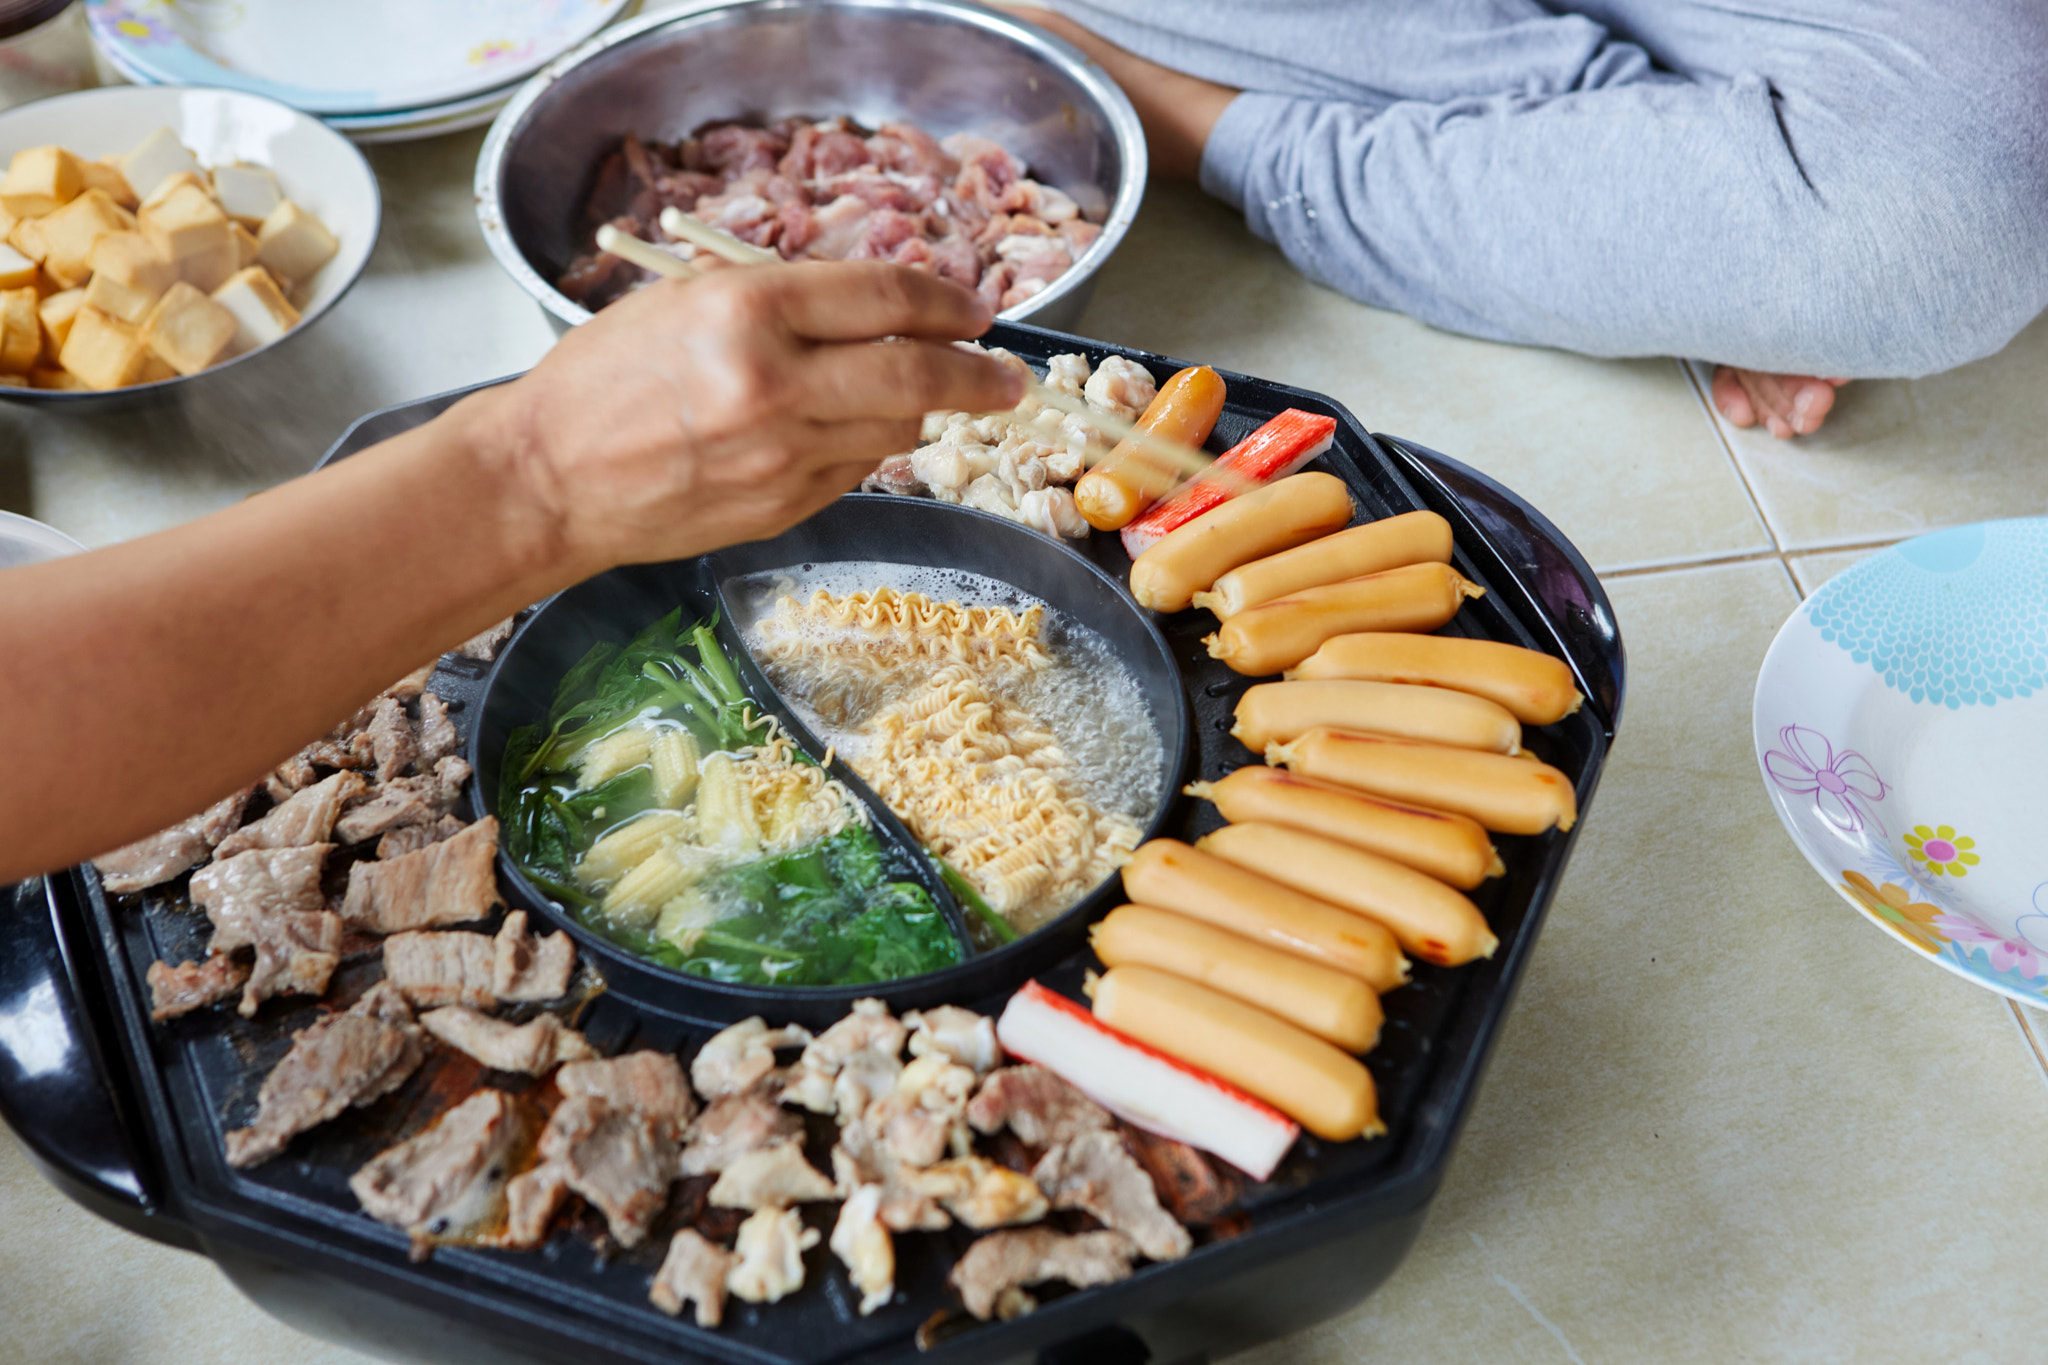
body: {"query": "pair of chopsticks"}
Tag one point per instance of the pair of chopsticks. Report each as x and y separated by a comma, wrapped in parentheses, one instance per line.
(1174, 455)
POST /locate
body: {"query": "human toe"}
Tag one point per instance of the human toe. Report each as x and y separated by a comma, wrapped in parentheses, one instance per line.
(1732, 399)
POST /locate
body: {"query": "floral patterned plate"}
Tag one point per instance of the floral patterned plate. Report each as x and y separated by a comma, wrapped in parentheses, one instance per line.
(363, 57)
(1901, 723)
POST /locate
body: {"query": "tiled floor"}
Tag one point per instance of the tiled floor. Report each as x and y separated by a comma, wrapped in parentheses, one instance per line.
(1727, 1121)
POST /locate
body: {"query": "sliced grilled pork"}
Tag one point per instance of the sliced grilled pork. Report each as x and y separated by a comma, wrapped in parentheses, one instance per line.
(483, 646)
(449, 883)
(539, 1045)
(305, 817)
(992, 1275)
(193, 985)
(1094, 1173)
(446, 1178)
(647, 1082)
(436, 737)
(770, 1251)
(463, 968)
(734, 1125)
(269, 899)
(617, 1159)
(693, 1271)
(391, 738)
(352, 1058)
(163, 855)
(1193, 1188)
(396, 843)
(771, 1177)
(404, 801)
(1039, 1107)
(528, 966)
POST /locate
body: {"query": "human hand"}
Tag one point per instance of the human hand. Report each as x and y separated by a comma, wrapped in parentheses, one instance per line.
(692, 415)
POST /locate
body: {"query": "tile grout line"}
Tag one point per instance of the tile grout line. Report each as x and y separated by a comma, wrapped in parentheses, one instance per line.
(1706, 402)
(2019, 1017)
(1714, 562)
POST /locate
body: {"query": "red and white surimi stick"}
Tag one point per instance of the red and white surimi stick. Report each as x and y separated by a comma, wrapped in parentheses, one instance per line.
(1275, 450)
(1142, 1085)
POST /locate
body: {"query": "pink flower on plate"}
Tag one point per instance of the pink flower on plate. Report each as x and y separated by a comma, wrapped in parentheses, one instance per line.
(1840, 783)
(2005, 953)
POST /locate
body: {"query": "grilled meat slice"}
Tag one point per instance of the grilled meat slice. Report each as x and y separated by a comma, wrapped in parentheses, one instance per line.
(404, 801)
(907, 1203)
(391, 738)
(733, 1126)
(646, 1082)
(528, 966)
(1094, 1173)
(770, 1250)
(860, 1240)
(463, 968)
(193, 985)
(617, 1159)
(771, 1177)
(735, 1058)
(351, 1058)
(537, 1046)
(163, 855)
(448, 883)
(436, 737)
(997, 1267)
(305, 817)
(396, 843)
(269, 899)
(483, 646)
(1192, 1188)
(446, 1178)
(693, 1271)
(1039, 1107)
(413, 683)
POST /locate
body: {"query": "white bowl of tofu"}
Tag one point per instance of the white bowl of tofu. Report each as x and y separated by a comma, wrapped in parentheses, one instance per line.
(153, 235)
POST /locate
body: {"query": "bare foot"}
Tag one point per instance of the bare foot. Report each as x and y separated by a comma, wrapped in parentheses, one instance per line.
(1788, 405)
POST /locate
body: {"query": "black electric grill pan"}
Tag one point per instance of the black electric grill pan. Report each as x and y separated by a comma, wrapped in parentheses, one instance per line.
(126, 1117)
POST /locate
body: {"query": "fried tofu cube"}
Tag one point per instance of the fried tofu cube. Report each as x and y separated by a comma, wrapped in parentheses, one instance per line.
(40, 180)
(103, 351)
(16, 269)
(105, 175)
(248, 193)
(51, 378)
(128, 275)
(209, 270)
(15, 381)
(156, 158)
(155, 370)
(293, 243)
(260, 309)
(186, 223)
(56, 313)
(21, 332)
(245, 245)
(72, 231)
(188, 329)
(171, 184)
(26, 237)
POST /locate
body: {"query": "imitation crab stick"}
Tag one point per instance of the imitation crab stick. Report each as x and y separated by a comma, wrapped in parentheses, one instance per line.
(1432, 921)
(1280, 634)
(1332, 1005)
(1313, 1083)
(1183, 411)
(1169, 874)
(1273, 713)
(1539, 689)
(1395, 543)
(1451, 848)
(1143, 1085)
(1521, 795)
(1274, 451)
(1264, 521)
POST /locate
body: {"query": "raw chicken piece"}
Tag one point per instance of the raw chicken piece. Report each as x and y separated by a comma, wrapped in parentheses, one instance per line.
(770, 1248)
(1122, 388)
(771, 1177)
(864, 1245)
(537, 1046)
(736, 1057)
(1053, 512)
(1067, 374)
(1003, 1262)
(446, 1178)
(1093, 1172)
(345, 1059)
(694, 1270)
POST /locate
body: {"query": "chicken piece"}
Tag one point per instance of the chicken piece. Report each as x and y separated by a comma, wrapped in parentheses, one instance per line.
(1067, 374)
(1094, 1173)
(1036, 1105)
(990, 494)
(191, 986)
(920, 1119)
(733, 1126)
(163, 855)
(448, 883)
(645, 1082)
(736, 1057)
(448, 1177)
(305, 817)
(404, 839)
(693, 1271)
(982, 1194)
(1053, 512)
(1122, 388)
(1007, 1261)
(863, 1048)
(770, 1251)
(535, 1047)
(958, 1034)
(437, 737)
(861, 1242)
(269, 899)
(859, 1159)
(618, 1159)
(352, 1058)
(771, 1177)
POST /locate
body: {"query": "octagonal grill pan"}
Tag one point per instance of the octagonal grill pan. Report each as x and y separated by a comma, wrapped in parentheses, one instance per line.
(127, 1117)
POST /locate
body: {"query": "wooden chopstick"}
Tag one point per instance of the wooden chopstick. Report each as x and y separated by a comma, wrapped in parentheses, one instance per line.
(647, 256)
(717, 241)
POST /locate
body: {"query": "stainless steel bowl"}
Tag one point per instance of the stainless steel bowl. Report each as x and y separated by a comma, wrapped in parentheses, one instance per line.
(945, 65)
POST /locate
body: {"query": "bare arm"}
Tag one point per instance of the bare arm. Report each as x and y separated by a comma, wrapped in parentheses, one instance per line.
(141, 682)
(1178, 111)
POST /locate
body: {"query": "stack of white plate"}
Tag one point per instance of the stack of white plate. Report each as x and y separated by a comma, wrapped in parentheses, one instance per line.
(375, 70)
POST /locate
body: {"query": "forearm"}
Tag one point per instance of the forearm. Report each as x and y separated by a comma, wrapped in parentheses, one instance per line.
(140, 682)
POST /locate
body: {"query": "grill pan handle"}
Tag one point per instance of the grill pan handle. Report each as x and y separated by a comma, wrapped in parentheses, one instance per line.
(55, 1091)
